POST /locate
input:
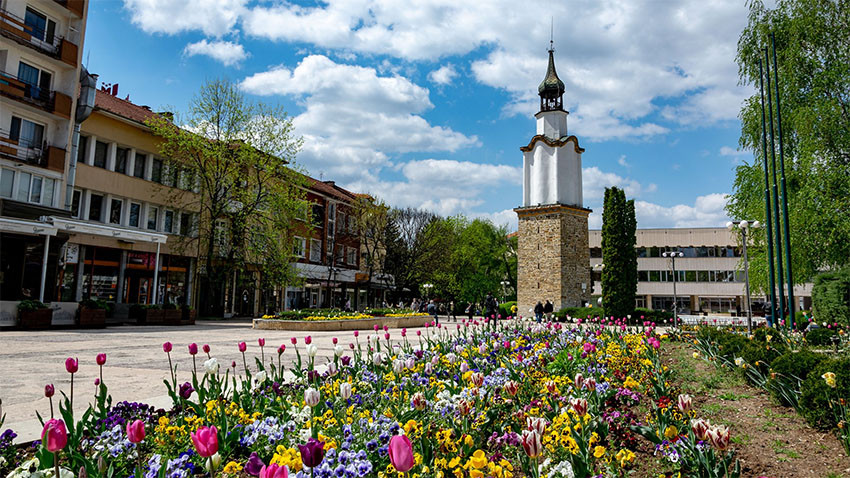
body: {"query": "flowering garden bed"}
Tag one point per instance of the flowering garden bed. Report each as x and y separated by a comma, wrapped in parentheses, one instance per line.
(520, 400)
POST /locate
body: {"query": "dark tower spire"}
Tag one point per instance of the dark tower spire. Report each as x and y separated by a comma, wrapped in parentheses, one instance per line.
(551, 90)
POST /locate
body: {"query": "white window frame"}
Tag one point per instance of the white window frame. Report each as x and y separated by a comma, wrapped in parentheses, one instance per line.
(315, 250)
(301, 247)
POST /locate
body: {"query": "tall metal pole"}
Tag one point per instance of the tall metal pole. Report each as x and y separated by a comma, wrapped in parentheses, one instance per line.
(675, 298)
(784, 193)
(767, 199)
(779, 280)
(747, 282)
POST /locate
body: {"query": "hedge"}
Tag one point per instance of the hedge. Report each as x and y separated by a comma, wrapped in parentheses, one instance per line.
(831, 296)
(816, 394)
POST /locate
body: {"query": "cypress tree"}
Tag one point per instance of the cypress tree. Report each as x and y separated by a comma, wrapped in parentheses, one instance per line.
(619, 276)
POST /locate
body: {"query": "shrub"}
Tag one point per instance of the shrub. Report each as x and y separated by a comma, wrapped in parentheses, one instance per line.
(816, 394)
(93, 304)
(505, 308)
(831, 296)
(761, 354)
(656, 316)
(790, 367)
(821, 336)
(730, 345)
(580, 312)
(30, 305)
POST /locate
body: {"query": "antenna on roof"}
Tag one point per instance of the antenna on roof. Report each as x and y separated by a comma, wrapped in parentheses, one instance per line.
(321, 176)
(552, 35)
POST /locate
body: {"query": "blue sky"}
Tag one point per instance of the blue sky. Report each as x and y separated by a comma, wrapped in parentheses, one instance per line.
(426, 103)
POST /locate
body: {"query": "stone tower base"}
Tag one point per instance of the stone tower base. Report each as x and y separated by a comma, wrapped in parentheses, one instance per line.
(553, 257)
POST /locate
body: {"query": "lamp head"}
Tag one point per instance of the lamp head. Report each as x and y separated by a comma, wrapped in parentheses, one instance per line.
(730, 225)
(756, 225)
(745, 224)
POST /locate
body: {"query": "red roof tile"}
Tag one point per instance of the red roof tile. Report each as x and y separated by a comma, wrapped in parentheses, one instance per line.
(122, 108)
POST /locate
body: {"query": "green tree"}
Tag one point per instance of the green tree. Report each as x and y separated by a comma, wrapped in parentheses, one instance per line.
(813, 56)
(241, 156)
(619, 276)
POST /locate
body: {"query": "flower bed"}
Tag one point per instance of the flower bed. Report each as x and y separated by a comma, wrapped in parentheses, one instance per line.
(338, 314)
(517, 399)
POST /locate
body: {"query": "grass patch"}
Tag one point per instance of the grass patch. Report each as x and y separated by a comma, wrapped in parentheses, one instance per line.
(780, 449)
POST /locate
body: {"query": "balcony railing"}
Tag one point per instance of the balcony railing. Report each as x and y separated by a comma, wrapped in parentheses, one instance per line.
(75, 6)
(50, 101)
(15, 27)
(41, 155)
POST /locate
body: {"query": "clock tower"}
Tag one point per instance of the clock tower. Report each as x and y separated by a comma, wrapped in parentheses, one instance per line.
(553, 253)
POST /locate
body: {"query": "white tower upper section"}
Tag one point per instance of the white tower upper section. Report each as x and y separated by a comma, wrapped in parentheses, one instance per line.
(552, 160)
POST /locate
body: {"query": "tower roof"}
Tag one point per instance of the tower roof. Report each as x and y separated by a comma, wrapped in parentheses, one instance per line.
(552, 86)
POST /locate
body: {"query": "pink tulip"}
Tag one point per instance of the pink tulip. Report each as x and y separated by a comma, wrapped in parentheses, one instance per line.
(376, 327)
(166, 347)
(274, 471)
(193, 349)
(293, 340)
(206, 349)
(136, 431)
(281, 349)
(356, 333)
(49, 390)
(205, 441)
(243, 347)
(261, 342)
(401, 453)
(54, 435)
(101, 359)
(335, 340)
(72, 365)
(308, 340)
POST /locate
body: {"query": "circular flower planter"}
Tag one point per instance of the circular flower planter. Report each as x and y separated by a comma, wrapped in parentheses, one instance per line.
(345, 324)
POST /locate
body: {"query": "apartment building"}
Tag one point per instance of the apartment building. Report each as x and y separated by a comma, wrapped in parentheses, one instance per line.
(41, 44)
(709, 278)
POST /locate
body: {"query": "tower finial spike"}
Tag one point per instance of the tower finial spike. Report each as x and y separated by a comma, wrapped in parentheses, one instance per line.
(552, 35)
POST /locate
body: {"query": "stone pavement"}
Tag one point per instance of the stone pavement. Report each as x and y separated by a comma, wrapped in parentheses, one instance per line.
(135, 366)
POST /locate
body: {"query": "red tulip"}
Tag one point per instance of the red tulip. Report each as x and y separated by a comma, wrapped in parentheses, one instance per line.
(54, 435)
(356, 333)
(335, 340)
(49, 390)
(72, 365)
(308, 340)
(205, 441)
(101, 359)
(293, 341)
(243, 347)
(274, 471)
(580, 406)
(261, 342)
(531, 443)
(166, 347)
(193, 349)
(401, 453)
(511, 388)
(206, 349)
(281, 349)
(136, 431)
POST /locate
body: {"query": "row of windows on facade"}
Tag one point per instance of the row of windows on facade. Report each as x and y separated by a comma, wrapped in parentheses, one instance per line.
(28, 187)
(689, 252)
(344, 254)
(691, 276)
(125, 212)
(140, 165)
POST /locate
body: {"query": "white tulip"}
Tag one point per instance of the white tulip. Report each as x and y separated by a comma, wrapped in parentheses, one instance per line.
(312, 350)
(345, 390)
(482, 349)
(398, 366)
(338, 350)
(428, 368)
(378, 358)
(410, 362)
(332, 370)
(311, 397)
(464, 367)
(213, 463)
(211, 366)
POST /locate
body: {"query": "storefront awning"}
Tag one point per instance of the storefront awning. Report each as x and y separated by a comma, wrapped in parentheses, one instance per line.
(21, 226)
(81, 227)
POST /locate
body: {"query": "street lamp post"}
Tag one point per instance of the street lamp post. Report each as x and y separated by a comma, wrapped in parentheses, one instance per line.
(743, 226)
(673, 255)
(427, 288)
(504, 289)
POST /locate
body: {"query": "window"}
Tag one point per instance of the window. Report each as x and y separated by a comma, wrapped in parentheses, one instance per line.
(35, 191)
(26, 133)
(100, 151)
(95, 207)
(352, 255)
(115, 211)
(156, 171)
(139, 165)
(643, 276)
(82, 149)
(75, 203)
(315, 250)
(331, 220)
(318, 215)
(7, 179)
(299, 250)
(702, 276)
(654, 276)
(135, 212)
(37, 81)
(153, 215)
(595, 252)
(168, 223)
(42, 28)
(48, 190)
(185, 224)
(24, 186)
(121, 156)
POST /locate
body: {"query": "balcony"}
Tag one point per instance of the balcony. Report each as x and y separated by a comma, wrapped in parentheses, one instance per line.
(48, 100)
(14, 27)
(43, 156)
(75, 6)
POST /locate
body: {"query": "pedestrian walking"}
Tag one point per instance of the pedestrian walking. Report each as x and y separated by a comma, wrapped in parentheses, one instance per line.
(470, 310)
(490, 307)
(538, 312)
(451, 311)
(432, 309)
(548, 308)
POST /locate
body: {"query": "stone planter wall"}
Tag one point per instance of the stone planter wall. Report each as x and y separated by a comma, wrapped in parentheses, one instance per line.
(351, 324)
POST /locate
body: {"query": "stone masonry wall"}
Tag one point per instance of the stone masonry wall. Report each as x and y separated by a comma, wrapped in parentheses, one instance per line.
(553, 257)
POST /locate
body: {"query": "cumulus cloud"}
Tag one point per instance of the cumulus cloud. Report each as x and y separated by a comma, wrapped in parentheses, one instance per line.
(728, 151)
(443, 75)
(225, 52)
(706, 211)
(174, 16)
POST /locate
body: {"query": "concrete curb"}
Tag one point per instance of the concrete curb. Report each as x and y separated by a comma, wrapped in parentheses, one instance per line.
(347, 324)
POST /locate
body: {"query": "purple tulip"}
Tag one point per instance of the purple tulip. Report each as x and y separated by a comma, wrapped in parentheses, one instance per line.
(186, 390)
(254, 465)
(346, 360)
(312, 452)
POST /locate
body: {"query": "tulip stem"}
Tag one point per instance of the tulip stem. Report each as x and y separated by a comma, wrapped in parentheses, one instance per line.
(51, 407)
(72, 398)
(171, 369)
(56, 463)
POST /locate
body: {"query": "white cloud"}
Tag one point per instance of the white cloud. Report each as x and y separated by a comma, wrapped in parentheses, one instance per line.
(728, 151)
(174, 16)
(225, 52)
(443, 75)
(594, 181)
(622, 161)
(707, 211)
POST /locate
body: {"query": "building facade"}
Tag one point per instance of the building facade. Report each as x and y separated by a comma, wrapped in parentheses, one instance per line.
(41, 44)
(709, 278)
(552, 235)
